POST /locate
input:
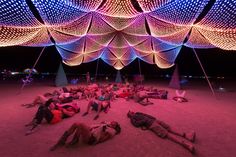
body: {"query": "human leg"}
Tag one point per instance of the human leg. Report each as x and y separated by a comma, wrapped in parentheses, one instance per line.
(37, 101)
(158, 130)
(99, 108)
(40, 100)
(88, 107)
(43, 112)
(75, 138)
(169, 128)
(79, 130)
(38, 116)
(145, 103)
(181, 141)
(163, 130)
(106, 106)
(75, 106)
(189, 136)
(62, 140)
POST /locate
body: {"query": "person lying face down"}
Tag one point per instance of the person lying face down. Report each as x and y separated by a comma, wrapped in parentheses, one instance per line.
(161, 129)
(91, 135)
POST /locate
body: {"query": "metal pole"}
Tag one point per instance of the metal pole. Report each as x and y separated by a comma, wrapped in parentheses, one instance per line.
(140, 72)
(209, 83)
(96, 70)
(29, 75)
(38, 58)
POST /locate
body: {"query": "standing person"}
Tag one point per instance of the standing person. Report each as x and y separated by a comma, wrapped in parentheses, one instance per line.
(90, 134)
(161, 129)
(88, 78)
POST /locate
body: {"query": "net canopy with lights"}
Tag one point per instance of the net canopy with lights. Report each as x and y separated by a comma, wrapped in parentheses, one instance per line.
(118, 31)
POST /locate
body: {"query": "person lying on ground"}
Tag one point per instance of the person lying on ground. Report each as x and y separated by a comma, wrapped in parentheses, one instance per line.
(101, 104)
(109, 89)
(90, 91)
(163, 130)
(39, 100)
(57, 93)
(142, 98)
(158, 94)
(53, 113)
(91, 135)
(59, 97)
(126, 94)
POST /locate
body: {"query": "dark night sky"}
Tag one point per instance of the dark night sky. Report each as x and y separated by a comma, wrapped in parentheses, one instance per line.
(216, 62)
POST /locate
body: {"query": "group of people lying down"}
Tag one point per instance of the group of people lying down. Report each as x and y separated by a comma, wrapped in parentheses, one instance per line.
(60, 104)
(64, 103)
(138, 93)
(103, 131)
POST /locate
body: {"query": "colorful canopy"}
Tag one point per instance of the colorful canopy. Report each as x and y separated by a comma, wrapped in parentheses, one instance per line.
(118, 31)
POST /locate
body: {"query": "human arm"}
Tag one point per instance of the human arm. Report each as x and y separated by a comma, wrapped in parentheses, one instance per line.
(137, 122)
(141, 120)
(67, 112)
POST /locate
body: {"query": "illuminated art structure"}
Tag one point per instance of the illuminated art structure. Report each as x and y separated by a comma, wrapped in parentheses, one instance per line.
(118, 31)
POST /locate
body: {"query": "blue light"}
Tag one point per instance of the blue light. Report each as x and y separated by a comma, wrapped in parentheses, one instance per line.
(55, 12)
(180, 11)
(16, 13)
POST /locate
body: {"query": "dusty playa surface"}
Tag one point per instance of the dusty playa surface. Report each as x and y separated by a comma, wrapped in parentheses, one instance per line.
(213, 119)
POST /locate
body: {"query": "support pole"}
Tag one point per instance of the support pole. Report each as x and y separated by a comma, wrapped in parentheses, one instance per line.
(96, 70)
(209, 83)
(36, 62)
(140, 72)
(28, 77)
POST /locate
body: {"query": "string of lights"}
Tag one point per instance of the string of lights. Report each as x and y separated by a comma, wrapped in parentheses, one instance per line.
(118, 31)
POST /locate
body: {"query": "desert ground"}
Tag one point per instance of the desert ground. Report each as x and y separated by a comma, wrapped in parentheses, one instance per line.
(213, 118)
